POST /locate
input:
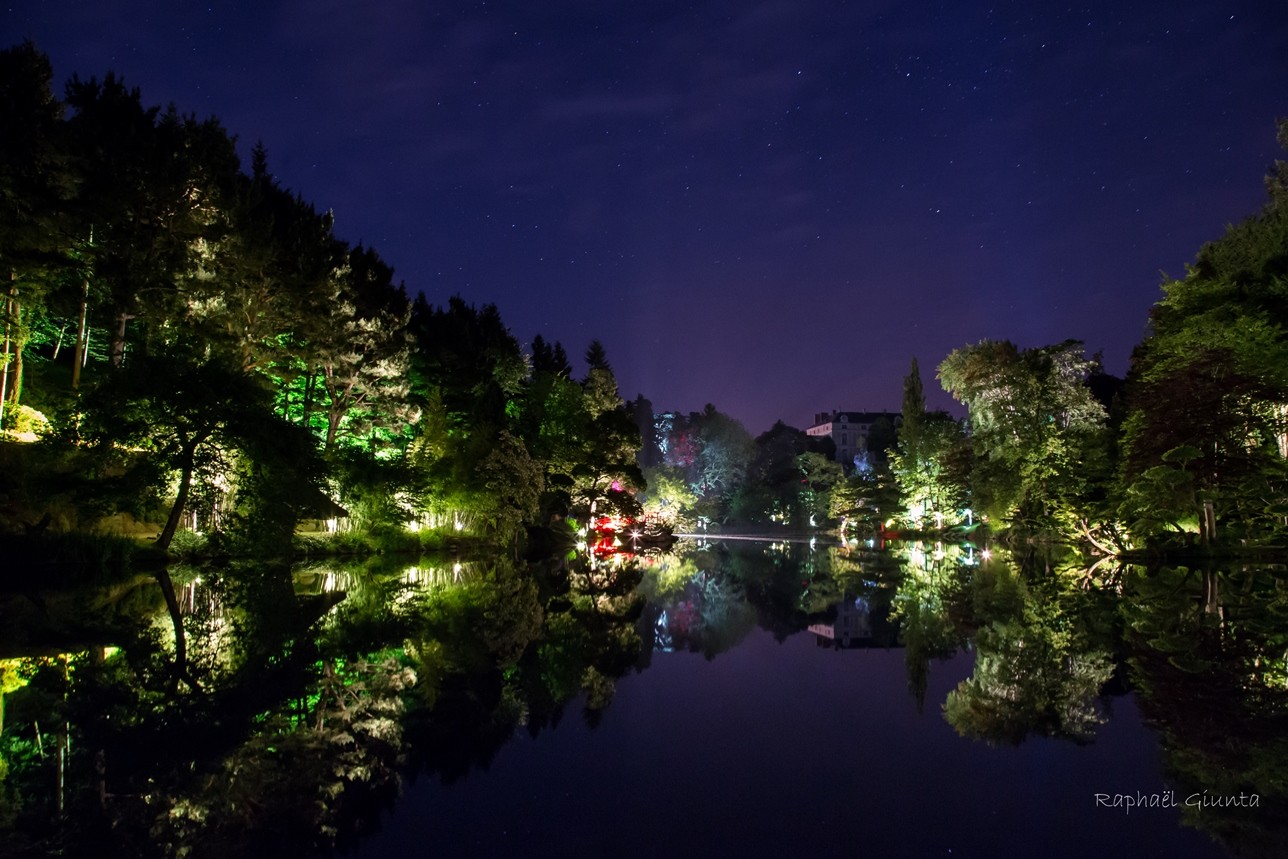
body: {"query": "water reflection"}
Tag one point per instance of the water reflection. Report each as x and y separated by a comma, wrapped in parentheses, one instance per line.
(852, 626)
(433, 667)
(1208, 650)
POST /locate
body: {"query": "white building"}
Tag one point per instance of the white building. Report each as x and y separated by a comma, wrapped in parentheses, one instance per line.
(849, 432)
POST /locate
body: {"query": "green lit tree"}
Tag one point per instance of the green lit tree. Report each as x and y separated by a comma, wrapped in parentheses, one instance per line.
(1206, 436)
(1041, 661)
(35, 182)
(1037, 431)
(364, 361)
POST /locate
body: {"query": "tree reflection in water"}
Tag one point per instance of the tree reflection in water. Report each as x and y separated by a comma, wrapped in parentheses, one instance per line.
(1209, 655)
(317, 690)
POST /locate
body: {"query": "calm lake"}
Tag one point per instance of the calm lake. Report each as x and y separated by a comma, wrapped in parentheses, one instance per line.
(789, 743)
(752, 698)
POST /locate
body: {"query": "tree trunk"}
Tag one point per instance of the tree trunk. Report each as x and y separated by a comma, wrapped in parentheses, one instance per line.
(307, 405)
(334, 413)
(64, 745)
(82, 336)
(118, 339)
(1211, 593)
(15, 387)
(4, 356)
(21, 334)
(63, 749)
(1281, 411)
(333, 419)
(187, 464)
(180, 641)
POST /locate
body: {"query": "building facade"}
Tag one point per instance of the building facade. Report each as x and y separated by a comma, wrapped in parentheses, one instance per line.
(849, 431)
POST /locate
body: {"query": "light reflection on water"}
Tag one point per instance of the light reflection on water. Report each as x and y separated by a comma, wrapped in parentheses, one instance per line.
(803, 688)
(994, 678)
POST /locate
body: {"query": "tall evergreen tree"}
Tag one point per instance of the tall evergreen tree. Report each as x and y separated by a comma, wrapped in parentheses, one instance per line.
(362, 355)
(34, 184)
(148, 201)
(597, 357)
(914, 412)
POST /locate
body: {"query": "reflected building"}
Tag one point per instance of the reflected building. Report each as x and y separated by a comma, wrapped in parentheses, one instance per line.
(851, 628)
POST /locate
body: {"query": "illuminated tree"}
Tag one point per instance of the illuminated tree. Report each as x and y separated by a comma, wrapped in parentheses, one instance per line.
(268, 289)
(724, 451)
(1041, 660)
(818, 476)
(1036, 429)
(668, 497)
(932, 467)
(1025, 683)
(35, 181)
(1209, 386)
(511, 485)
(363, 359)
(150, 189)
(583, 433)
(179, 411)
(1206, 660)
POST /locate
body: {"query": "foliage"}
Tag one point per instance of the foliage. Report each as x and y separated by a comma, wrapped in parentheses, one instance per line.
(933, 468)
(292, 784)
(932, 461)
(1037, 431)
(787, 481)
(1207, 420)
(713, 452)
(668, 497)
(197, 323)
(1207, 655)
(188, 414)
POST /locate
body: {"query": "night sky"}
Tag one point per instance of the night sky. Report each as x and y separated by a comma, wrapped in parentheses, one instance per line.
(770, 205)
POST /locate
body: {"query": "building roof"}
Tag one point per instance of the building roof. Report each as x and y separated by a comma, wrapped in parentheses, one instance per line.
(854, 417)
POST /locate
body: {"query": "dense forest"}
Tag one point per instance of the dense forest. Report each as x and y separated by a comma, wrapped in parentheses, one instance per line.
(192, 355)
(197, 350)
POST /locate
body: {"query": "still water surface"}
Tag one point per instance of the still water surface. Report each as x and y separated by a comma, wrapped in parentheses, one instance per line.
(786, 744)
(748, 698)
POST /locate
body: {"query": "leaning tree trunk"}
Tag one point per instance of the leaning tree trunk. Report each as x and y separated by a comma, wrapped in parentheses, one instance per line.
(180, 640)
(187, 464)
